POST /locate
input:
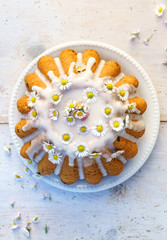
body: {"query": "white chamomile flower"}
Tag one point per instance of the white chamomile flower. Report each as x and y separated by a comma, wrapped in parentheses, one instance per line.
(117, 153)
(81, 150)
(79, 105)
(53, 114)
(33, 99)
(18, 177)
(55, 157)
(26, 232)
(15, 226)
(64, 83)
(82, 129)
(117, 124)
(33, 114)
(132, 108)
(108, 111)
(109, 86)
(35, 220)
(95, 155)
(126, 121)
(90, 95)
(100, 129)
(48, 147)
(159, 10)
(79, 114)
(123, 93)
(56, 98)
(66, 138)
(70, 106)
(80, 67)
(70, 120)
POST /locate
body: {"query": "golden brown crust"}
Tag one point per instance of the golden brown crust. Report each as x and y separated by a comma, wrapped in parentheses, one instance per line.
(33, 80)
(110, 68)
(141, 104)
(19, 131)
(127, 79)
(45, 167)
(69, 174)
(136, 134)
(129, 147)
(92, 172)
(46, 64)
(91, 53)
(67, 56)
(24, 149)
(22, 105)
(113, 167)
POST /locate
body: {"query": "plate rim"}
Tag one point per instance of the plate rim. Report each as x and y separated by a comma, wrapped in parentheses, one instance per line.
(147, 79)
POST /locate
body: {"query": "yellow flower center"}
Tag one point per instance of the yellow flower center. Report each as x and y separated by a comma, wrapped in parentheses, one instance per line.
(79, 114)
(160, 10)
(49, 146)
(107, 111)
(55, 113)
(78, 105)
(122, 93)
(55, 157)
(90, 95)
(34, 113)
(70, 119)
(71, 105)
(99, 128)
(79, 68)
(33, 99)
(116, 124)
(109, 86)
(36, 218)
(81, 148)
(66, 137)
(130, 107)
(95, 155)
(55, 97)
(29, 161)
(27, 170)
(83, 129)
(17, 176)
(63, 82)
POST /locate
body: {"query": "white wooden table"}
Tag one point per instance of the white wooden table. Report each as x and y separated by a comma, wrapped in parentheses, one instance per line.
(136, 209)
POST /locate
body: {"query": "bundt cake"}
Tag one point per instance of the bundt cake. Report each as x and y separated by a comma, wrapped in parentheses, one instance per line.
(82, 116)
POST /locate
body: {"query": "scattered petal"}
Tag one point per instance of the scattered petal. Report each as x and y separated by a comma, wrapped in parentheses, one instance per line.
(15, 226)
(165, 23)
(12, 203)
(26, 232)
(164, 61)
(18, 216)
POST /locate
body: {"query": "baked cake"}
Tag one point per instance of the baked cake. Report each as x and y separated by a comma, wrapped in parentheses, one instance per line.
(81, 117)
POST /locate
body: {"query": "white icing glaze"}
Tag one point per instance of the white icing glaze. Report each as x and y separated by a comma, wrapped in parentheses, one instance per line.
(58, 63)
(122, 159)
(137, 125)
(79, 59)
(80, 169)
(42, 77)
(100, 165)
(28, 125)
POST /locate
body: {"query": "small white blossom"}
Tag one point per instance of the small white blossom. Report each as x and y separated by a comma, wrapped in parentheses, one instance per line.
(82, 129)
(81, 150)
(117, 153)
(55, 157)
(35, 220)
(66, 138)
(56, 98)
(64, 82)
(117, 124)
(80, 67)
(34, 97)
(123, 93)
(100, 129)
(159, 10)
(53, 114)
(90, 94)
(48, 147)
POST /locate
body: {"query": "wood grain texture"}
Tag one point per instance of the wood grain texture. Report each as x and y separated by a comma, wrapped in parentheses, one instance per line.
(137, 208)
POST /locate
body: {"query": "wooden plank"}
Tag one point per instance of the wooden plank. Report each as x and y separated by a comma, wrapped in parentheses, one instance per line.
(133, 210)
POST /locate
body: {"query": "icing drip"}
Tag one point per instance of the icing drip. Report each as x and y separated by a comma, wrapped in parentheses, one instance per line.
(58, 168)
(122, 159)
(80, 169)
(99, 68)
(79, 59)
(58, 63)
(39, 156)
(35, 145)
(27, 126)
(137, 125)
(42, 77)
(100, 165)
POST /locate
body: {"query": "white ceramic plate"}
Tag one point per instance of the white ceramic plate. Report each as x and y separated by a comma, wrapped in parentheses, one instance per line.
(145, 90)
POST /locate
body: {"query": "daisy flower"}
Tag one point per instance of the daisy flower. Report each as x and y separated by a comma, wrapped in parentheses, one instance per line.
(48, 147)
(117, 124)
(79, 114)
(132, 108)
(64, 83)
(66, 138)
(55, 157)
(33, 99)
(95, 155)
(159, 10)
(108, 111)
(70, 120)
(117, 153)
(79, 105)
(53, 113)
(56, 98)
(70, 105)
(108, 86)
(80, 67)
(90, 95)
(81, 150)
(33, 114)
(35, 220)
(82, 129)
(123, 93)
(100, 129)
